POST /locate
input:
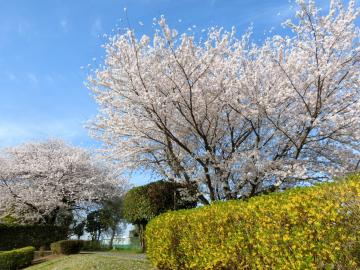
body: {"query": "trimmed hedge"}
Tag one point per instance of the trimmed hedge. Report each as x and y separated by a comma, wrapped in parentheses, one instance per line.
(303, 228)
(18, 236)
(91, 245)
(67, 247)
(17, 258)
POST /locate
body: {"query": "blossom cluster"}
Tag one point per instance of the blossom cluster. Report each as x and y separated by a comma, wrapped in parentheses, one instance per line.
(235, 117)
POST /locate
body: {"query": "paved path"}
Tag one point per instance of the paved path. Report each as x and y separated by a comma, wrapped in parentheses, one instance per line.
(122, 255)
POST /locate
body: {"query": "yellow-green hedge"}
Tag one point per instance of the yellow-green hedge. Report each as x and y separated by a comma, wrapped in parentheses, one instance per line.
(16, 258)
(304, 228)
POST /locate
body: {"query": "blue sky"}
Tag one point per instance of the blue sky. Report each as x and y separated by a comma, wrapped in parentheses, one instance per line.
(43, 44)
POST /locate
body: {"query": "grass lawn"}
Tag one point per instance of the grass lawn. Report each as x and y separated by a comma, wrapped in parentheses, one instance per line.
(96, 261)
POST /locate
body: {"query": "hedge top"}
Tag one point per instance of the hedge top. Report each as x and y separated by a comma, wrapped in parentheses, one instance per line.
(303, 228)
(16, 258)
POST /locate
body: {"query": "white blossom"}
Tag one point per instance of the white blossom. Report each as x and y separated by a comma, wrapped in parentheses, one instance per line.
(234, 117)
(38, 179)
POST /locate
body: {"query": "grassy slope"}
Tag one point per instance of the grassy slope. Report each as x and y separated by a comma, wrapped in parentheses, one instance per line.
(93, 262)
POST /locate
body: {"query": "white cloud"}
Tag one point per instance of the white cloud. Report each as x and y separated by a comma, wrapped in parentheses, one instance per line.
(16, 132)
(11, 76)
(32, 78)
(49, 78)
(96, 27)
(12, 28)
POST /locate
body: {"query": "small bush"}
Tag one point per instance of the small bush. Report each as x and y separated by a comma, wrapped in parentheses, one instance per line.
(91, 245)
(17, 258)
(67, 247)
(303, 228)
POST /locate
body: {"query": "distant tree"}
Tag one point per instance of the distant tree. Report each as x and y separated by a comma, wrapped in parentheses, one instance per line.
(112, 216)
(79, 229)
(105, 220)
(94, 225)
(43, 182)
(235, 117)
(145, 202)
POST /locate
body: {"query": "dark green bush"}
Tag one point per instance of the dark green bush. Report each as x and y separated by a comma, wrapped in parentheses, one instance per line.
(67, 247)
(303, 228)
(18, 236)
(17, 258)
(91, 245)
(143, 203)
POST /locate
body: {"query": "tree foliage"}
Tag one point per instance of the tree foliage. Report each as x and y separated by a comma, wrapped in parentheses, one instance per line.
(42, 182)
(79, 229)
(145, 202)
(95, 225)
(106, 219)
(112, 216)
(233, 117)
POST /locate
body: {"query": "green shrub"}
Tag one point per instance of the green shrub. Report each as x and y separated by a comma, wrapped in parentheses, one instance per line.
(303, 228)
(17, 258)
(67, 247)
(18, 236)
(145, 202)
(91, 245)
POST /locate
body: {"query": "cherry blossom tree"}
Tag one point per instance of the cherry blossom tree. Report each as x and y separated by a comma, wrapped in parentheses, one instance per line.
(233, 117)
(41, 182)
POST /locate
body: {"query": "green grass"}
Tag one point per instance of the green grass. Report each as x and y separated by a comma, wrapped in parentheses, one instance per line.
(127, 248)
(96, 261)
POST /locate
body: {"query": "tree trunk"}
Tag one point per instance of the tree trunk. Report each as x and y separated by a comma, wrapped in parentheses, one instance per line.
(112, 238)
(98, 237)
(142, 227)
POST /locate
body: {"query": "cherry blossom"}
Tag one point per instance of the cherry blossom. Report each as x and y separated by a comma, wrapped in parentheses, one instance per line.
(234, 117)
(38, 180)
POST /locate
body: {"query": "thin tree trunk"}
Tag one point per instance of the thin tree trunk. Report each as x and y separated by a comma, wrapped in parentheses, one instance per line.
(112, 238)
(142, 237)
